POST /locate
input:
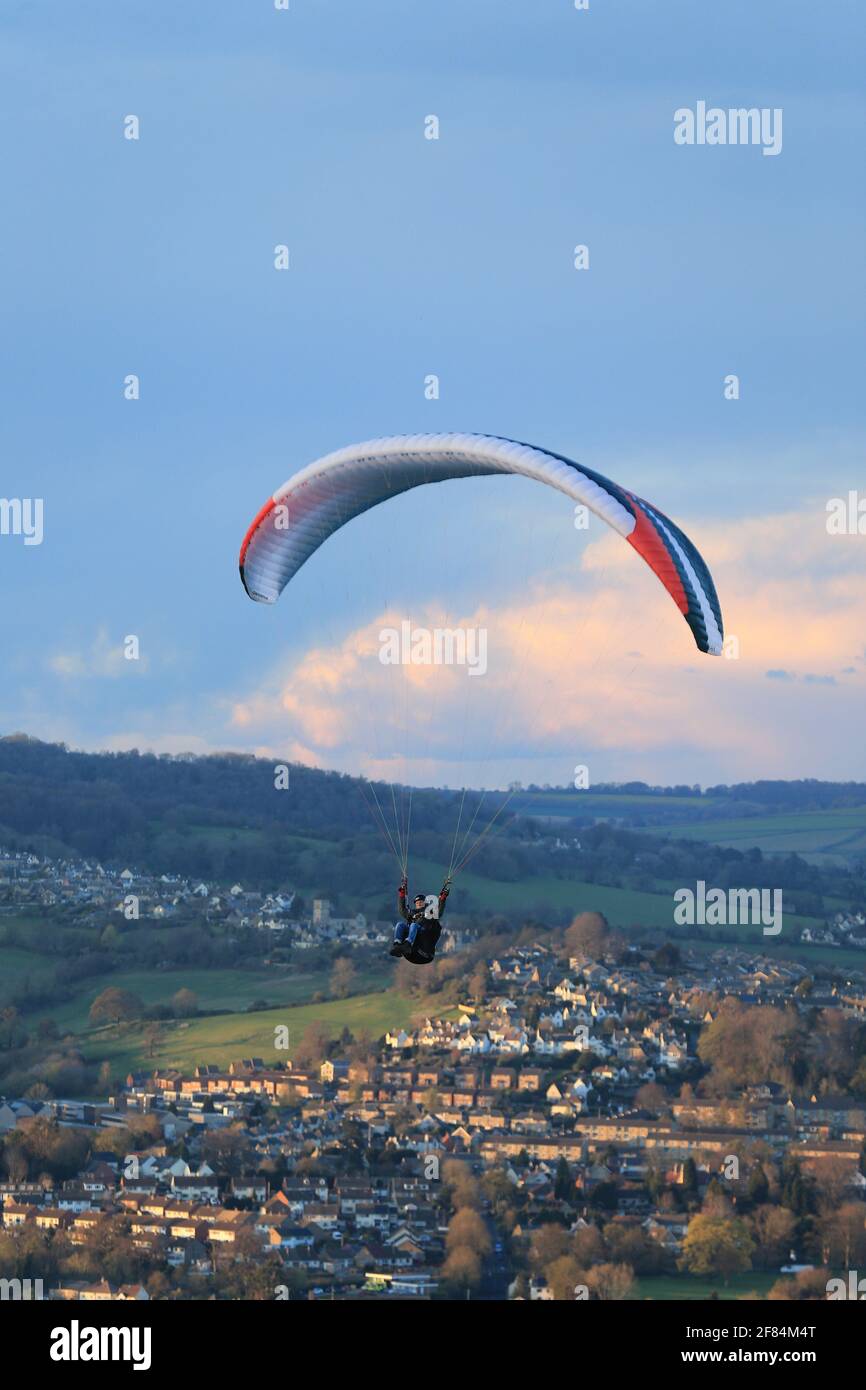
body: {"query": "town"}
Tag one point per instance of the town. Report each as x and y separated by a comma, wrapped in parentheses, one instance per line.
(581, 1119)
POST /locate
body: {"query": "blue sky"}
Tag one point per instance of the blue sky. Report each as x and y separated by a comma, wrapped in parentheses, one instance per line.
(453, 257)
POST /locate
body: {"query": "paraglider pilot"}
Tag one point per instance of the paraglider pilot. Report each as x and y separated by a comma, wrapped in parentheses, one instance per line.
(416, 936)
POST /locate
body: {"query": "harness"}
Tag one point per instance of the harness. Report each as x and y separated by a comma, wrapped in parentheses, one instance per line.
(424, 949)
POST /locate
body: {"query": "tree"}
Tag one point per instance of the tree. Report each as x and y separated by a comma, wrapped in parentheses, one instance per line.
(404, 1119)
(747, 1045)
(843, 1235)
(667, 957)
(651, 1096)
(717, 1245)
(798, 1189)
(587, 935)
(16, 1158)
(313, 1047)
(342, 978)
(248, 1245)
(588, 1246)
(353, 1138)
(758, 1188)
(498, 1189)
(611, 1283)
(548, 1243)
(184, 1004)
(53, 1148)
(158, 1285)
(477, 985)
(690, 1179)
(834, 1046)
(115, 1005)
(716, 1200)
(775, 1232)
(225, 1150)
(630, 1245)
(832, 1181)
(463, 1190)
(152, 1035)
(462, 1269)
(809, 1285)
(431, 1101)
(564, 1184)
(466, 1228)
(564, 1275)
(605, 1195)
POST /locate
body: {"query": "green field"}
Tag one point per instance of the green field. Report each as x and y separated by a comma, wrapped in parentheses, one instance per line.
(227, 1038)
(566, 804)
(231, 990)
(755, 1285)
(820, 837)
(17, 964)
(623, 907)
(242, 834)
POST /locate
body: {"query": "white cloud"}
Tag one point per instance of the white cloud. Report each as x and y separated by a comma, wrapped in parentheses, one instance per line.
(104, 659)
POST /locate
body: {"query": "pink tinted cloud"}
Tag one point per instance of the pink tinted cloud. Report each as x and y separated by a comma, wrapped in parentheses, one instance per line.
(604, 665)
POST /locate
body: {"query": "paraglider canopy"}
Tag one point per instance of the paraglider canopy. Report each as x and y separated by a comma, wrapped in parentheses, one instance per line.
(324, 496)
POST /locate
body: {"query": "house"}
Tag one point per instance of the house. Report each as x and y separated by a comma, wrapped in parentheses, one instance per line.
(530, 1079)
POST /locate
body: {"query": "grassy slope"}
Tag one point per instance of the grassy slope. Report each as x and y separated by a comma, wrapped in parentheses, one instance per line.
(216, 989)
(227, 1038)
(241, 834)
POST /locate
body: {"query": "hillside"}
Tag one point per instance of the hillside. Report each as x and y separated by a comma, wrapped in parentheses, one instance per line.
(621, 850)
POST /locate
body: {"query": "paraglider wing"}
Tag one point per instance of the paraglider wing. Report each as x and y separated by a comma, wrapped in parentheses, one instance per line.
(322, 497)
